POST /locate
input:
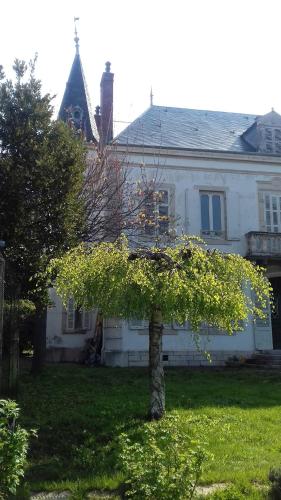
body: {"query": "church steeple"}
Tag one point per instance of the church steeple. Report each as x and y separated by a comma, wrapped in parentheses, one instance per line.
(75, 108)
(76, 37)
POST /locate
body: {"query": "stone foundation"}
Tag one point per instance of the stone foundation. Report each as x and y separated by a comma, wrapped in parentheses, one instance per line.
(172, 358)
(140, 358)
(65, 355)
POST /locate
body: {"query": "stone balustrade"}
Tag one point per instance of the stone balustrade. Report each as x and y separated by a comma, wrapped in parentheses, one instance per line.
(263, 244)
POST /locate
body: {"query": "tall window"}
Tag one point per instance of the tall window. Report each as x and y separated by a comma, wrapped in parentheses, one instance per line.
(272, 212)
(157, 213)
(212, 214)
(77, 319)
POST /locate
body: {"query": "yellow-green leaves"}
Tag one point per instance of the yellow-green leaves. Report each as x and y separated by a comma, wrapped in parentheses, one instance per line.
(186, 281)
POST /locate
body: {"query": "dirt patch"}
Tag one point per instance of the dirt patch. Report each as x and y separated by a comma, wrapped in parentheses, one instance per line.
(210, 488)
(105, 495)
(54, 495)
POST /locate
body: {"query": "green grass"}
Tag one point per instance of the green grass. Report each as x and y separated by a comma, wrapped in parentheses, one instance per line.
(79, 412)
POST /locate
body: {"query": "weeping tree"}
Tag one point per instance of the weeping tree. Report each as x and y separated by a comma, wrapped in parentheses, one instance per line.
(182, 282)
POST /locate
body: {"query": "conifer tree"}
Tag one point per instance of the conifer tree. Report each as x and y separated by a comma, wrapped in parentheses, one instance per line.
(41, 175)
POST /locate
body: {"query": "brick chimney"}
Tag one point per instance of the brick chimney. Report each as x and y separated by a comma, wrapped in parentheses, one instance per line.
(106, 102)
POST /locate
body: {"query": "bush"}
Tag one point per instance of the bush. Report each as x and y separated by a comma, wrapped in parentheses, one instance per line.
(238, 492)
(25, 313)
(166, 462)
(275, 489)
(13, 448)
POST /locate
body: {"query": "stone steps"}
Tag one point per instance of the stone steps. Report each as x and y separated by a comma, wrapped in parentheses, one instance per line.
(266, 360)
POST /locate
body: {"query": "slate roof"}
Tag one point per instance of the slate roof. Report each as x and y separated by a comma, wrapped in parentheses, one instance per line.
(168, 127)
(76, 94)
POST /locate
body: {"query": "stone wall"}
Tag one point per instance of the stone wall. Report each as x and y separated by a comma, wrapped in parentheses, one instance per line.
(187, 358)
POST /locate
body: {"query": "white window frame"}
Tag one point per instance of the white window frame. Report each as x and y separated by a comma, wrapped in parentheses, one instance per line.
(270, 225)
(154, 229)
(212, 233)
(70, 318)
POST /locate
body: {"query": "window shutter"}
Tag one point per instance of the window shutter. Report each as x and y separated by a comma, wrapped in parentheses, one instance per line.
(261, 211)
(263, 331)
(186, 213)
(233, 215)
(70, 315)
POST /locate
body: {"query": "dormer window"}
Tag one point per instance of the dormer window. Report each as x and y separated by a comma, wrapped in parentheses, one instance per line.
(277, 132)
(264, 135)
(268, 134)
(269, 147)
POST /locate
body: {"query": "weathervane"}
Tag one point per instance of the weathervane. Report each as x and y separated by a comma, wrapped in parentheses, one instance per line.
(151, 97)
(76, 38)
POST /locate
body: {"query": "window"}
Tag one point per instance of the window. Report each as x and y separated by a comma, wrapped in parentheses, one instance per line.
(157, 213)
(272, 212)
(271, 140)
(212, 214)
(77, 319)
(138, 324)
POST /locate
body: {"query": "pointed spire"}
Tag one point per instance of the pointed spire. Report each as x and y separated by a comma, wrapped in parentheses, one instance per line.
(151, 97)
(75, 107)
(76, 37)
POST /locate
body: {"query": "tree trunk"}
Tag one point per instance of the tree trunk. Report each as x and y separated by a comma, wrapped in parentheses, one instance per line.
(156, 372)
(39, 354)
(2, 271)
(13, 350)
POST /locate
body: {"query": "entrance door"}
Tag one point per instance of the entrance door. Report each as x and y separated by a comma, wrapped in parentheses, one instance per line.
(276, 313)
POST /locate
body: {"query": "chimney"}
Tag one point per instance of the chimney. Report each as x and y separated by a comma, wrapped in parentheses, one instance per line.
(106, 102)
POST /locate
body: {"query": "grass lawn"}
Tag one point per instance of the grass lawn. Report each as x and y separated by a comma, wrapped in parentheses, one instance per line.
(79, 412)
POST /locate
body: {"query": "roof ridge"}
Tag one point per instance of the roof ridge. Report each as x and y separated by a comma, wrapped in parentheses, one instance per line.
(204, 110)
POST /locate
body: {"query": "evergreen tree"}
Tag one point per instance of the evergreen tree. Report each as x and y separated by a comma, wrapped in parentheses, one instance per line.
(41, 176)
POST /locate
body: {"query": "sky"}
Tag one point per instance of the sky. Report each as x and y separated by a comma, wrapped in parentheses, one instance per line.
(219, 55)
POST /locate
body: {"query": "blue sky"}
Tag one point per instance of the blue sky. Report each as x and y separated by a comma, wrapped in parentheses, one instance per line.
(206, 54)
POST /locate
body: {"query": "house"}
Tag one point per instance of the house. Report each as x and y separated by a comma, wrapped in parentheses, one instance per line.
(220, 179)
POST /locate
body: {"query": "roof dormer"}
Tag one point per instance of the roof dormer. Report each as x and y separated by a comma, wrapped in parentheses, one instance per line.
(269, 133)
(264, 135)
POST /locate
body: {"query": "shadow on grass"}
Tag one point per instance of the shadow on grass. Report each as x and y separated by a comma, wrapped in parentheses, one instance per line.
(80, 411)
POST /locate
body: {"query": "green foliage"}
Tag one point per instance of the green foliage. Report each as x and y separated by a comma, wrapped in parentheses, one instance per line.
(13, 448)
(41, 175)
(25, 313)
(91, 456)
(166, 462)
(275, 479)
(185, 281)
(80, 412)
(238, 492)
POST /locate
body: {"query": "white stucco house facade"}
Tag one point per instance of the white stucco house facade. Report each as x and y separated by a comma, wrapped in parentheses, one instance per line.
(220, 176)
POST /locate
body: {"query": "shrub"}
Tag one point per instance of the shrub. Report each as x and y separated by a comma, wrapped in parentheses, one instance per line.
(13, 448)
(25, 313)
(165, 462)
(237, 492)
(275, 489)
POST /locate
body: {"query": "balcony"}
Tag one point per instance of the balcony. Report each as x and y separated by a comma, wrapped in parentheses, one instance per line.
(263, 245)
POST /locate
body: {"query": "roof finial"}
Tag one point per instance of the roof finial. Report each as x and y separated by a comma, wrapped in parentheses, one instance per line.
(76, 38)
(151, 97)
